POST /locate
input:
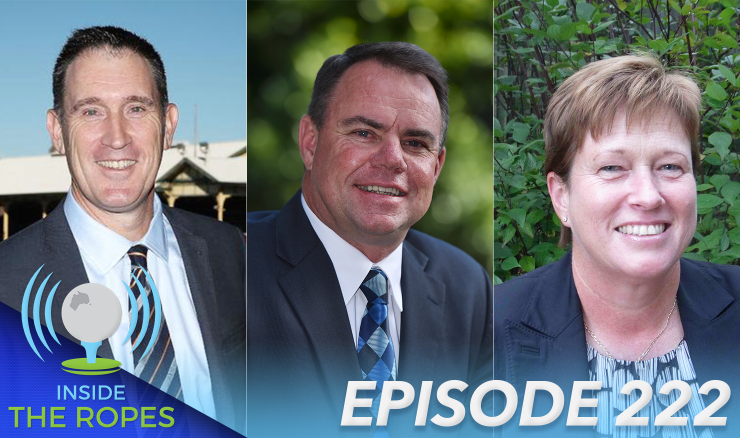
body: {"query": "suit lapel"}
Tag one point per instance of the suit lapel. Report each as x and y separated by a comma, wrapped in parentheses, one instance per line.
(197, 262)
(422, 318)
(709, 320)
(549, 341)
(320, 309)
(65, 261)
(323, 314)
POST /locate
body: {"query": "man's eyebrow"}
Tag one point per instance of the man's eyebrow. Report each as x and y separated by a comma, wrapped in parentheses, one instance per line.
(87, 101)
(140, 99)
(360, 120)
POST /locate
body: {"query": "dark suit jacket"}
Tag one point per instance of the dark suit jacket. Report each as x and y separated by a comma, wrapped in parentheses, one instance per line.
(300, 348)
(214, 259)
(540, 335)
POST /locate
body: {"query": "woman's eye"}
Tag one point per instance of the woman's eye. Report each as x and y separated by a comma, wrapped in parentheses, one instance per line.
(611, 168)
(671, 167)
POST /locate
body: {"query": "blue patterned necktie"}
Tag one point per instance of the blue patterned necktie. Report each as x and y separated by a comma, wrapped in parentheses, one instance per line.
(374, 346)
(159, 366)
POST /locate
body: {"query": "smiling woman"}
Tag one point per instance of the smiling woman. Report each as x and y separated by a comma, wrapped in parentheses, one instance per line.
(621, 142)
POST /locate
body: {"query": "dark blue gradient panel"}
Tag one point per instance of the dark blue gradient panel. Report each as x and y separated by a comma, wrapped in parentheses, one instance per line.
(29, 382)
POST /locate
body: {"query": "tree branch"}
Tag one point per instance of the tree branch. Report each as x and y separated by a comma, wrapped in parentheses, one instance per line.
(629, 17)
(624, 30)
(692, 58)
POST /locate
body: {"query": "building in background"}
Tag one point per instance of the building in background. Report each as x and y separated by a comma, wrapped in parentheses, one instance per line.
(208, 179)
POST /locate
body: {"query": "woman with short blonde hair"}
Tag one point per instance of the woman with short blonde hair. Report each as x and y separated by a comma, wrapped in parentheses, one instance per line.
(621, 141)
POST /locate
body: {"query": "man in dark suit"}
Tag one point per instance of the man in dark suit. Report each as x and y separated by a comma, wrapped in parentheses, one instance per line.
(112, 119)
(340, 289)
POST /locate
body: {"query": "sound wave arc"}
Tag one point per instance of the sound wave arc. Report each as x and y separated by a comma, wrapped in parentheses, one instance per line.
(145, 312)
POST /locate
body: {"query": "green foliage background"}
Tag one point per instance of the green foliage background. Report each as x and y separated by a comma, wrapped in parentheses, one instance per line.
(287, 42)
(540, 44)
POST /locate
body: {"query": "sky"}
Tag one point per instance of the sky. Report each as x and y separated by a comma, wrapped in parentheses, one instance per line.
(202, 44)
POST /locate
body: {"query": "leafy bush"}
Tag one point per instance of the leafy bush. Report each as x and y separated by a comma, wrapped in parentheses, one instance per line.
(540, 44)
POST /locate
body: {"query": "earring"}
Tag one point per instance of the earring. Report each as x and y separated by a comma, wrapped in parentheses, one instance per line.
(565, 219)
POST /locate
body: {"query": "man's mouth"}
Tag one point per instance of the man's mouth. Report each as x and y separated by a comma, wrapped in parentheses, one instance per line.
(389, 191)
(643, 230)
(117, 164)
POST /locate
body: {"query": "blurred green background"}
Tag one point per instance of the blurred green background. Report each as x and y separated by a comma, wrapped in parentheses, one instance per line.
(288, 41)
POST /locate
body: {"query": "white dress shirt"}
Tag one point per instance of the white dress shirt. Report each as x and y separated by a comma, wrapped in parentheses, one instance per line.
(351, 267)
(105, 256)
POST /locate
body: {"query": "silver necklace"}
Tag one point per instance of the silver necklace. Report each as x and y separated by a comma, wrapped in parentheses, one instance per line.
(649, 346)
(675, 299)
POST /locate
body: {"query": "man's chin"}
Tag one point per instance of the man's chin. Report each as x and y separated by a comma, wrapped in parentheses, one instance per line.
(383, 228)
(120, 204)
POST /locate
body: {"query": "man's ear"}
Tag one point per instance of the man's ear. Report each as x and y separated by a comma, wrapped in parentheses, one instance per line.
(54, 126)
(559, 195)
(440, 162)
(308, 138)
(171, 116)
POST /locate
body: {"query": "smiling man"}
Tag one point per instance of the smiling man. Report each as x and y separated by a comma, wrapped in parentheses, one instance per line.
(340, 288)
(112, 120)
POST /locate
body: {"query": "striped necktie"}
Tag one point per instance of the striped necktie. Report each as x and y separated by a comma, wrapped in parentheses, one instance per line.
(374, 346)
(158, 367)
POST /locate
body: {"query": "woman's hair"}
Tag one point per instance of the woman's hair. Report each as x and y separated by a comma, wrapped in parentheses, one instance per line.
(589, 101)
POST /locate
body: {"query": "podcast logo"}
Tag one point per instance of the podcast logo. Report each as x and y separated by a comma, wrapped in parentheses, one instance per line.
(91, 313)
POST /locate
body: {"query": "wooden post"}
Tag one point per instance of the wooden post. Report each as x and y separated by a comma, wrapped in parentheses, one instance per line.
(221, 198)
(171, 200)
(6, 227)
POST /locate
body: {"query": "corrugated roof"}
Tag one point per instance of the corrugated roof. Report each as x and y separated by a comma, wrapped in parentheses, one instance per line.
(225, 170)
(34, 175)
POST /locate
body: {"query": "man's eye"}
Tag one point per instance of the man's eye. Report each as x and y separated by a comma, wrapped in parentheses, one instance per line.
(90, 112)
(138, 109)
(415, 143)
(363, 133)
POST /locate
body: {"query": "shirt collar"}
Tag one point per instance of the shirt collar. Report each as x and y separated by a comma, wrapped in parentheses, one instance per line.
(351, 265)
(103, 247)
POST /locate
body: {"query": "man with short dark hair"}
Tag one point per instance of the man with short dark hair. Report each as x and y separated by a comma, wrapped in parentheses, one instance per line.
(340, 288)
(112, 120)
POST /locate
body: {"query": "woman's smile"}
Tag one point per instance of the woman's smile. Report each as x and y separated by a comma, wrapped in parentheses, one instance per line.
(643, 229)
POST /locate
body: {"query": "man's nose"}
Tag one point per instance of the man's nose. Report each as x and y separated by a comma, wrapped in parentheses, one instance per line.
(116, 133)
(390, 155)
(645, 189)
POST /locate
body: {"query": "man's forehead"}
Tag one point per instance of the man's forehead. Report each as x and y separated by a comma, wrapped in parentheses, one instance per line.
(370, 72)
(97, 61)
(98, 57)
(370, 84)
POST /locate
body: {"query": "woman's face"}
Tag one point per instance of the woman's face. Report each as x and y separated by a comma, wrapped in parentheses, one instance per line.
(631, 200)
